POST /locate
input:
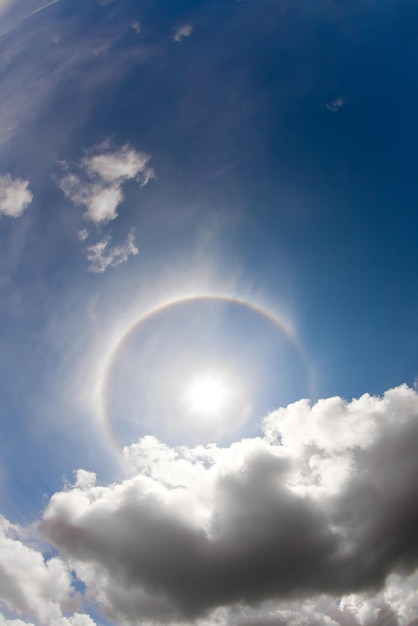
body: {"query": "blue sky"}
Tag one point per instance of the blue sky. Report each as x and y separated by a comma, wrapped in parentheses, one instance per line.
(208, 297)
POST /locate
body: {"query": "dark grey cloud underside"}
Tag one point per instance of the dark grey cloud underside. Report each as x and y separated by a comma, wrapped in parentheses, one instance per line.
(266, 542)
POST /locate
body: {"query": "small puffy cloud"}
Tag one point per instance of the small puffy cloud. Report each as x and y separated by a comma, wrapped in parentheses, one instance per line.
(313, 524)
(103, 203)
(79, 619)
(101, 255)
(82, 234)
(96, 181)
(117, 166)
(136, 26)
(15, 197)
(183, 31)
(336, 104)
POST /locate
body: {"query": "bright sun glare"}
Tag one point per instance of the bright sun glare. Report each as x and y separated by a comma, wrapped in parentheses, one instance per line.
(206, 395)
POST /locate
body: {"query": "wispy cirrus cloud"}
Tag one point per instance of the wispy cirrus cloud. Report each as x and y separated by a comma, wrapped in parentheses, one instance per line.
(5, 5)
(15, 197)
(96, 181)
(102, 255)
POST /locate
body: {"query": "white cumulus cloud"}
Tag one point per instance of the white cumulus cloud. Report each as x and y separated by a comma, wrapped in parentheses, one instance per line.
(77, 619)
(315, 523)
(101, 255)
(28, 582)
(15, 197)
(96, 181)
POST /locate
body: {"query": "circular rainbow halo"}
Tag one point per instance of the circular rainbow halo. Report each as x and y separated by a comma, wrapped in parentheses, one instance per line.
(199, 370)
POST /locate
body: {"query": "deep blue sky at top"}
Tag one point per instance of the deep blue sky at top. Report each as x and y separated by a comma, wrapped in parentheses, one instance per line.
(235, 121)
(314, 206)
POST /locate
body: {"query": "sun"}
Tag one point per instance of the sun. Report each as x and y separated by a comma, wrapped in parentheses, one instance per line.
(206, 394)
(214, 405)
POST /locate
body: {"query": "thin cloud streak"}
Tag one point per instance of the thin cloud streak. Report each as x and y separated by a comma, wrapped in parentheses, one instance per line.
(26, 17)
